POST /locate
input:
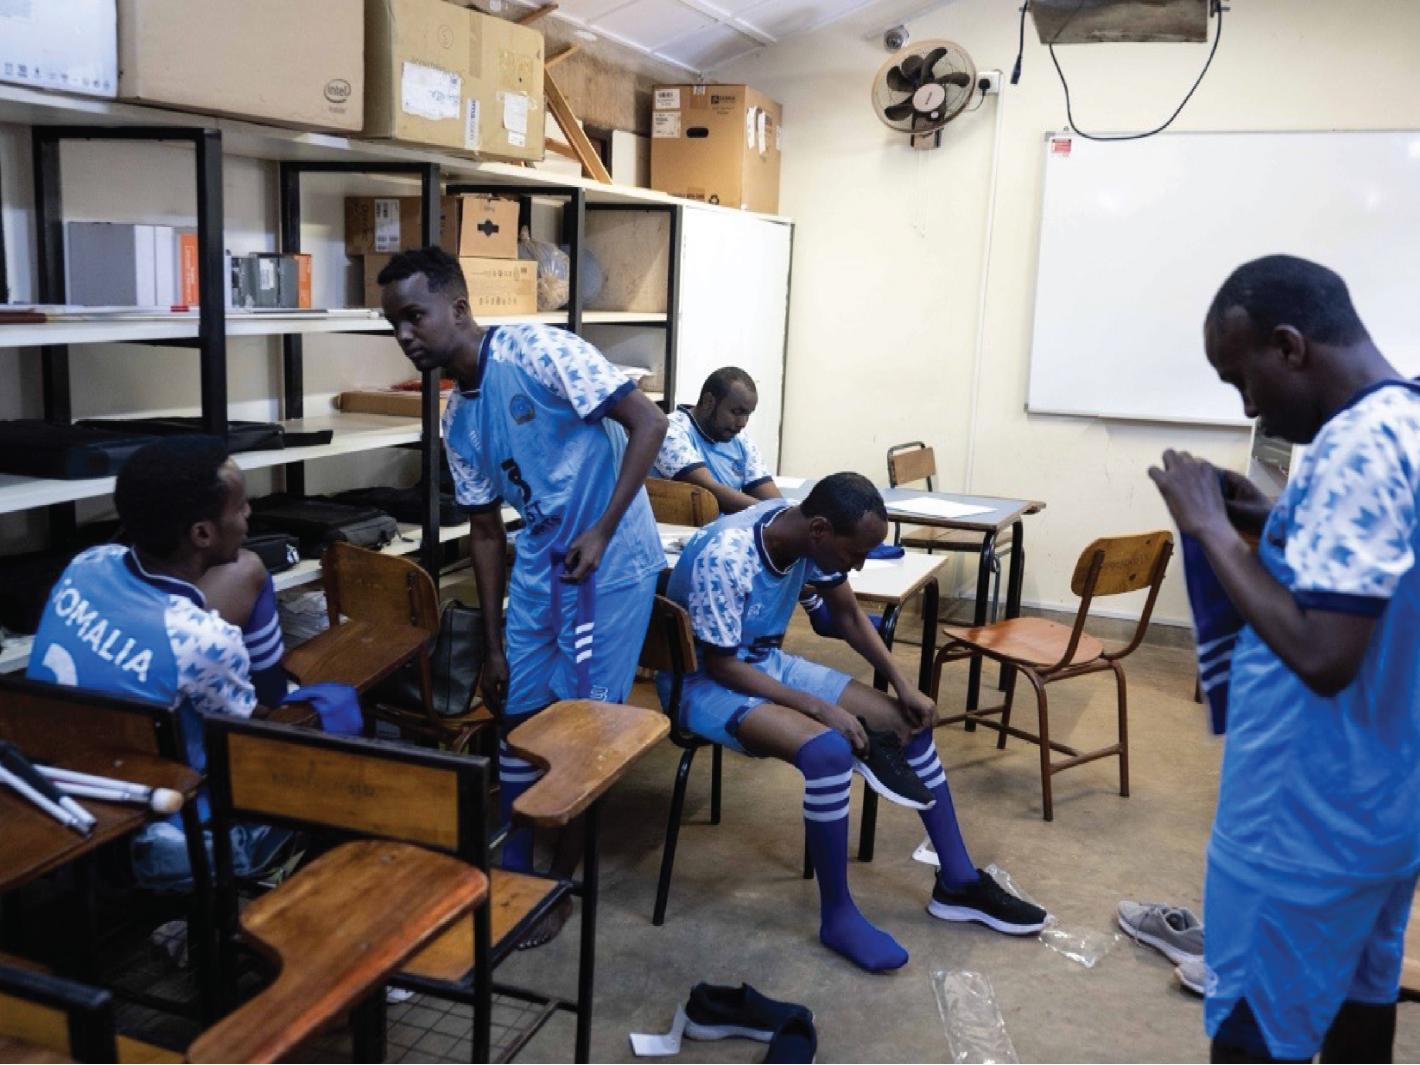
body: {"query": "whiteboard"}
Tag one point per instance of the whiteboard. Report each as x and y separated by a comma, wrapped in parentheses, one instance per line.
(1136, 237)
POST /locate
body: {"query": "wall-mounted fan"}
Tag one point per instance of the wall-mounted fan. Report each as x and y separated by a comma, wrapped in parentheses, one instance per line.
(922, 88)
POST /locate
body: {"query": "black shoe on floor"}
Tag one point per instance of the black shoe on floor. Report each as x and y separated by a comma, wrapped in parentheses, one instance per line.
(988, 903)
(885, 769)
(737, 1012)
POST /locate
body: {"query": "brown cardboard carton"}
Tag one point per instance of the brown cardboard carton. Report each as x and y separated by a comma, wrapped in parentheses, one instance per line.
(498, 287)
(381, 224)
(370, 267)
(718, 144)
(442, 75)
(488, 227)
(401, 402)
(299, 64)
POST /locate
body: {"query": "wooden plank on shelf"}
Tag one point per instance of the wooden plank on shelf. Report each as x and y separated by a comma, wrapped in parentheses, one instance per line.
(572, 130)
(566, 53)
(534, 16)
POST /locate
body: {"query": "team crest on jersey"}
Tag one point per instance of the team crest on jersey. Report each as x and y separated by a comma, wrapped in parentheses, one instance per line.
(755, 610)
(521, 408)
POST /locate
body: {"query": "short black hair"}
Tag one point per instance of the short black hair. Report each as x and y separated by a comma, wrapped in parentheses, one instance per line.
(1287, 290)
(718, 383)
(167, 487)
(439, 268)
(843, 498)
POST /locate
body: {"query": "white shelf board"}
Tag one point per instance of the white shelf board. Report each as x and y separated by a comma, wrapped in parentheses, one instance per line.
(353, 433)
(119, 331)
(36, 107)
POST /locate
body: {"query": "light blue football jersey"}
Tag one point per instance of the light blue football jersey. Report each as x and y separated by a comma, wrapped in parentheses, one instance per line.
(735, 463)
(112, 627)
(1318, 787)
(534, 434)
(739, 602)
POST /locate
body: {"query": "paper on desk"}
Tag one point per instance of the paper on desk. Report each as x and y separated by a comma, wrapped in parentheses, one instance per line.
(877, 563)
(932, 507)
(790, 482)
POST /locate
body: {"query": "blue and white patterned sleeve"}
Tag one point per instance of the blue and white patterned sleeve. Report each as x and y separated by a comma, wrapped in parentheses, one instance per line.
(1349, 537)
(471, 487)
(756, 472)
(565, 364)
(213, 669)
(720, 581)
(678, 454)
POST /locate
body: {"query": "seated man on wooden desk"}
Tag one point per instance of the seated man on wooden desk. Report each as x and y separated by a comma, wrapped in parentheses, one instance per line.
(738, 579)
(706, 445)
(132, 621)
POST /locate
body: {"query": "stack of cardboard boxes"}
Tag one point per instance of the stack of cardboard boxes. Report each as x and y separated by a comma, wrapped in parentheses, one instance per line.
(717, 144)
(481, 230)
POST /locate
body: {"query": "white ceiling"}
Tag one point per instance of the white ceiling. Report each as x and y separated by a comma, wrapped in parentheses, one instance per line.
(702, 35)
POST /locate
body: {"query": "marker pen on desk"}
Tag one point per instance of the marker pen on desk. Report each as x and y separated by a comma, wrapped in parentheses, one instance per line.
(19, 766)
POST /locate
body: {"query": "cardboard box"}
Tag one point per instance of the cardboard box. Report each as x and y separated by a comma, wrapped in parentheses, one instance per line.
(500, 286)
(717, 143)
(488, 227)
(370, 267)
(401, 402)
(39, 45)
(299, 64)
(483, 226)
(442, 75)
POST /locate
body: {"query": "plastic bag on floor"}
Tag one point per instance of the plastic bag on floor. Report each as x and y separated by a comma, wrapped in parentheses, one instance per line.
(1082, 945)
(971, 1018)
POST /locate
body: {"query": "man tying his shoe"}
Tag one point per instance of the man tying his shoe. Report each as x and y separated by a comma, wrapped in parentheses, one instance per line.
(739, 578)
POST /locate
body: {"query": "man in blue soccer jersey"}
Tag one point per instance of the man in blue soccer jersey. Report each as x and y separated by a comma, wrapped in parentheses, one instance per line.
(540, 420)
(739, 578)
(133, 622)
(706, 444)
(1316, 841)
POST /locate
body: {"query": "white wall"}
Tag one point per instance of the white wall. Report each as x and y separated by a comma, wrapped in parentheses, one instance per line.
(891, 245)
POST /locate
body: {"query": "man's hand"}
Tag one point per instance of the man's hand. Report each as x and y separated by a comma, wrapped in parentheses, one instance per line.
(1192, 491)
(835, 717)
(1247, 506)
(494, 684)
(917, 708)
(584, 555)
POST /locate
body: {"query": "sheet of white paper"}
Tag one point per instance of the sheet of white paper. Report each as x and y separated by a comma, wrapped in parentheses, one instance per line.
(931, 507)
(790, 482)
(877, 563)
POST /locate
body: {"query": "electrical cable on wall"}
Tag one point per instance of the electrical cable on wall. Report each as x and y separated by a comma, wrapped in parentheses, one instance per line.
(1215, 9)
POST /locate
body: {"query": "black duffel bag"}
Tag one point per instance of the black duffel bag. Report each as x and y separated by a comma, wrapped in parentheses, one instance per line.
(278, 551)
(37, 448)
(404, 504)
(317, 523)
(456, 663)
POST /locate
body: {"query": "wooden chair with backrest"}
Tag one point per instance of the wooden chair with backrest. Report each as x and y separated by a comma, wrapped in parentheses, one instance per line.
(681, 503)
(915, 462)
(670, 648)
(1045, 651)
(437, 801)
(72, 1021)
(93, 732)
(392, 607)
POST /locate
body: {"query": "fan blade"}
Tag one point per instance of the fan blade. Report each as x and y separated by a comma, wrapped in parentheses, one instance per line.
(899, 82)
(959, 78)
(897, 112)
(933, 58)
(912, 69)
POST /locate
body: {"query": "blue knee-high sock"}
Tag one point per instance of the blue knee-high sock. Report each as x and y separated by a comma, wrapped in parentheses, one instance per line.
(515, 776)
(941, 820)
(827, 764)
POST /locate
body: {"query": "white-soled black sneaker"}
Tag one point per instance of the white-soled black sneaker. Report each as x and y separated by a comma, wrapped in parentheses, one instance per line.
(885, 768)
(986, 902)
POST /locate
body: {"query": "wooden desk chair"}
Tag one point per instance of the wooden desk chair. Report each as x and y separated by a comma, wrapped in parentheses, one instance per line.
(681, 503)
(72, 1021)
(912, 462)
(670, 647)
(393, 609)
(438, 801)
(1046, 652)
(54, 723)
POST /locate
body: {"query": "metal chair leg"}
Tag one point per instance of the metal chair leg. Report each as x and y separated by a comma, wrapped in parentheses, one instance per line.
(808, 859)
(1006, 710)
(868, 824)
(586, 963)
(1123, 728)
(367, 1023)
(716, 756)
(663, 885)
(1047, 800)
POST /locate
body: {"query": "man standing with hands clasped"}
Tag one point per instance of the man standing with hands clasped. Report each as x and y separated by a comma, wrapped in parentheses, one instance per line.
(1312, 863)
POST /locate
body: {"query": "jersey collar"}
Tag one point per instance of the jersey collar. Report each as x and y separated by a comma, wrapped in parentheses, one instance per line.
(761, 524)
(171, 585)
(472, 393)
(689, 412)
(1412, 385)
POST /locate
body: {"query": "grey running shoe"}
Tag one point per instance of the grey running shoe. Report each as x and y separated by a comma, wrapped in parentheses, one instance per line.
(1192, 973)
(1173, 930)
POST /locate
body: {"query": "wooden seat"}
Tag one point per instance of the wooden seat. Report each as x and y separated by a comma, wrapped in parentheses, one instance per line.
(357, 653)
(681, 503)
(1045, 652)
(399, 600)
(47, 1018)
(338, 929)
(515, 900)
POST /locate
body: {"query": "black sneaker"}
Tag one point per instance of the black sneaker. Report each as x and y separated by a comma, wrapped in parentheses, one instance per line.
(737, 1013)
(988, 903)
(885, 769)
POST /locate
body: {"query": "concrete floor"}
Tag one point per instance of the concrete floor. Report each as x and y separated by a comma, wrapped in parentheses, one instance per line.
(740, 912)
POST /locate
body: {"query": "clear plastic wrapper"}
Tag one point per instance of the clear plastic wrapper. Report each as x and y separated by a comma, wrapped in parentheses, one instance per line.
(971, 1018)
(1085, 946)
